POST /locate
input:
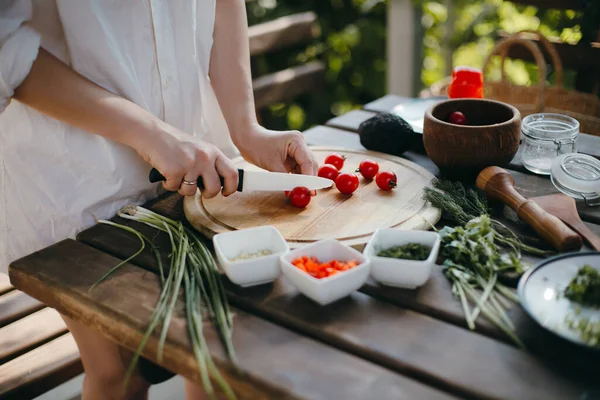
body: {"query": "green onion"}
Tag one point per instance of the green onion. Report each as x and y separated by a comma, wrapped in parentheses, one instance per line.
(192, 267)
(472, 263)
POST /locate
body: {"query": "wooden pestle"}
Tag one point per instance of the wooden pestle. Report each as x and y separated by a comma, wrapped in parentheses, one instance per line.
(498, 184)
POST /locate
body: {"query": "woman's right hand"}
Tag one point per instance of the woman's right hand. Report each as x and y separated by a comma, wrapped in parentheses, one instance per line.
(180, 157)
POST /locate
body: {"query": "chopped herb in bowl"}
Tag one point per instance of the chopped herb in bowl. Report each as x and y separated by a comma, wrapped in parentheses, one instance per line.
(584, 288)
(410, 251)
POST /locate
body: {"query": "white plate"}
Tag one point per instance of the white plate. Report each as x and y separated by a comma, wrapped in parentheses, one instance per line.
(413, 111)
(540, 293)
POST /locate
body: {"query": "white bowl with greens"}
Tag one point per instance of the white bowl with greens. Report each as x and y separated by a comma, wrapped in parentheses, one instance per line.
(562, 294)
(250, 256)
(402, 258)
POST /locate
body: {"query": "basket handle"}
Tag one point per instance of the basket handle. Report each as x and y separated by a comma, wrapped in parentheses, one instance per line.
(502, 50)
(551, 49)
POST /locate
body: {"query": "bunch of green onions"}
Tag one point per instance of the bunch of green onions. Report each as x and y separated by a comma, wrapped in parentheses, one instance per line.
(193, 267)
(472, 264)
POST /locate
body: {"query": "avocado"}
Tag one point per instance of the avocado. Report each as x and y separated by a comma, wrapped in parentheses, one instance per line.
(387, 133)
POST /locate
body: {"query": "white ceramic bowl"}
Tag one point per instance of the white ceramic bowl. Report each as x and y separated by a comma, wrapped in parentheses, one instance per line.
(408, 274)
(251, 271)
(326, 290)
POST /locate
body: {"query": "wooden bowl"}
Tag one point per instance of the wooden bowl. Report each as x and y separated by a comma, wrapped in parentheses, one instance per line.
(491, 135)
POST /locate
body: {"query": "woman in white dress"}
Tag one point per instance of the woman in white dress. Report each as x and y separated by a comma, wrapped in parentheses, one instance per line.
(93, 93)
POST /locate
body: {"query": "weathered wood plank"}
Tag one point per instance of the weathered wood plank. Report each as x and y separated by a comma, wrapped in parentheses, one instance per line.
(282, 32)
(5, 285)
(379, 332)
(15, 305)
(286, 84)
(30, 331)
(275, 361)
(41, 369)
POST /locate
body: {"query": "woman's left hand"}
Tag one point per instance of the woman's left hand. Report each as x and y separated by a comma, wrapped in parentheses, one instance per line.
(277, 151)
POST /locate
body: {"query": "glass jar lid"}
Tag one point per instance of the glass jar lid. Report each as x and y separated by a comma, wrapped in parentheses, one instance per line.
(549, 126)
(578, 176)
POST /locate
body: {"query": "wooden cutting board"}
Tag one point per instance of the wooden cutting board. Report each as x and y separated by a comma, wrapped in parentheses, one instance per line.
(351, 219)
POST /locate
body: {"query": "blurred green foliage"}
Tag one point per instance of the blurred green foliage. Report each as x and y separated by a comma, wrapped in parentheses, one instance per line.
(474, 27)
(353, 46)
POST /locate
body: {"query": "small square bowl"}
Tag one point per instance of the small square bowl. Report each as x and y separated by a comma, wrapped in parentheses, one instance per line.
(251, 271)
(326, 290)
(408, 274)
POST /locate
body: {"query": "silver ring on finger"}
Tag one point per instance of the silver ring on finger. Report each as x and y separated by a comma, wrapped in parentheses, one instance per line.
(191, 183)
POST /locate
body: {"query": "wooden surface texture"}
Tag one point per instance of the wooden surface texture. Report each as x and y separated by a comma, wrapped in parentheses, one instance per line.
(352, 219)
(380, 342)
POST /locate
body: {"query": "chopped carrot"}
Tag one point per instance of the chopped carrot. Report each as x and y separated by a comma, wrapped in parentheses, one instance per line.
(319, 270)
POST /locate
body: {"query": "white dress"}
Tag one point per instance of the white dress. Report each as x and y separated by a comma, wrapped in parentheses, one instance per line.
(54, 178)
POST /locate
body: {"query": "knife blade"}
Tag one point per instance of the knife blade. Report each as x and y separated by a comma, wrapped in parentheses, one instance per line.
(250, 180)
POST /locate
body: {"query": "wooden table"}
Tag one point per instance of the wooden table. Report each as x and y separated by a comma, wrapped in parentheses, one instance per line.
(379, 343)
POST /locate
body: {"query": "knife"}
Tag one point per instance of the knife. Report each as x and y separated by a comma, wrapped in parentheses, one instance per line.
(263, 180)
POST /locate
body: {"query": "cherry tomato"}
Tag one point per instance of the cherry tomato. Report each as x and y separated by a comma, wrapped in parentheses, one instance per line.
(300, 196)
(346, 182)
(336, 160)
(386, 180)
(368, 169)
(328, 171)
(458, 118)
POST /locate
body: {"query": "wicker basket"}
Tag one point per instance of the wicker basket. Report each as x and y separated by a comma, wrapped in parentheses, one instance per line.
(585, 107)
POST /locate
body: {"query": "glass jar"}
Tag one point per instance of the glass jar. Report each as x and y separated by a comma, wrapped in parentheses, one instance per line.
(545, 137)
(578, 176)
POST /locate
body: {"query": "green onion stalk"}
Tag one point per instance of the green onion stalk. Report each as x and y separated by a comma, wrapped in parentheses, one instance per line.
(472, 264)
(193, 268)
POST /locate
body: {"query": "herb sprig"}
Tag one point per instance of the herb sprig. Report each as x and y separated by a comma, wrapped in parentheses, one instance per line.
(461, 205)
(584, 288)
(476, 251)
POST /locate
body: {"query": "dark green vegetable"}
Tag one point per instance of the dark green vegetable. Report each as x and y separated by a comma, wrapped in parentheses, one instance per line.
(387, 133)
(584, 288)
(411, 251)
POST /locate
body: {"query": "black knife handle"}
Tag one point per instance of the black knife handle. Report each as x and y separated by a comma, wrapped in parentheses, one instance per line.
(156, 176)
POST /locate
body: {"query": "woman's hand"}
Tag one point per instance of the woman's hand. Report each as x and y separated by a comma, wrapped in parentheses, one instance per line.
(275, 151)
(181, 158)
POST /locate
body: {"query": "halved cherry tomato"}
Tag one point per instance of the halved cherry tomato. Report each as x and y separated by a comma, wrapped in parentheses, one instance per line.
(328, 171)
(336, 160)
(386, 180)
(368, 169)
(347, 183)
(300, 196)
